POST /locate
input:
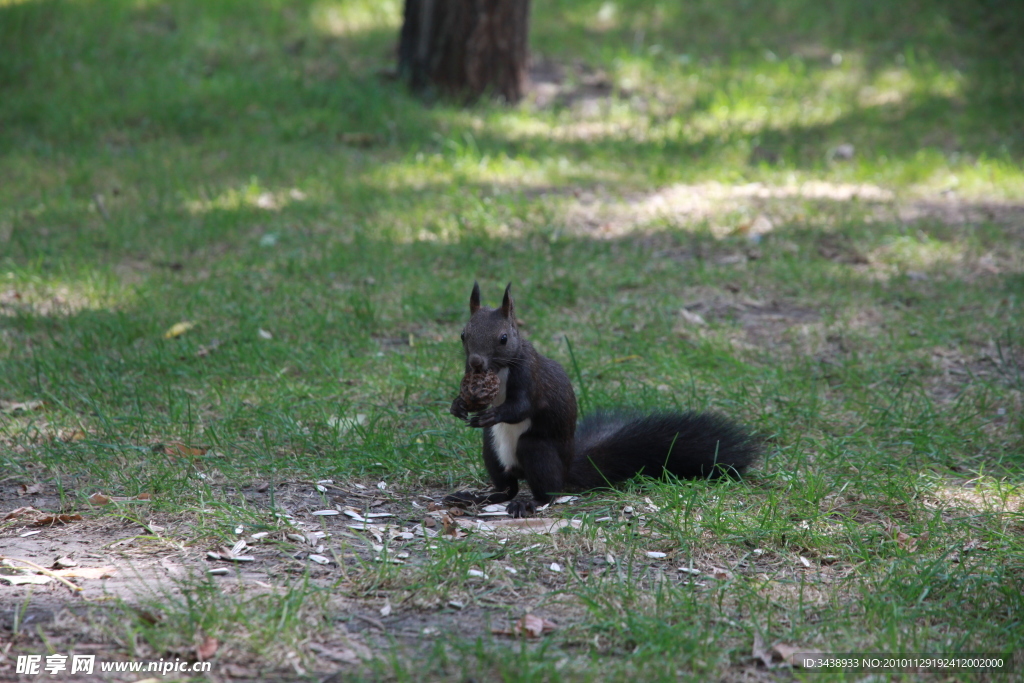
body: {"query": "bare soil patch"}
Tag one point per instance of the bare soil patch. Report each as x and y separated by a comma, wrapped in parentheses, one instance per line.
(156, 565)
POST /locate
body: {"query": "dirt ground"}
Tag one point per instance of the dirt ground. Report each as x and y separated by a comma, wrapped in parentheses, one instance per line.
(152, 565)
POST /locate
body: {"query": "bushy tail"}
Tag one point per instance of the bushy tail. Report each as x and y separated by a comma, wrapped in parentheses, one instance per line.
(612, 447)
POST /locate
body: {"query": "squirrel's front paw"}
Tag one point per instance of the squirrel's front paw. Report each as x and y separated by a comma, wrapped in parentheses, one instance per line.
(485, 418)
(459, 408)
(521, 508)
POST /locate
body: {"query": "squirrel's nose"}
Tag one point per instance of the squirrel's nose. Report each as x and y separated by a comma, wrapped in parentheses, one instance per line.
(476, 362)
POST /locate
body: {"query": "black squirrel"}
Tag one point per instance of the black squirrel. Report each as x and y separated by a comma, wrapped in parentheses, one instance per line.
(530, 429)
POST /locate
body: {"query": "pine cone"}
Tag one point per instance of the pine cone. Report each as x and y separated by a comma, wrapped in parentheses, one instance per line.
(479, 390)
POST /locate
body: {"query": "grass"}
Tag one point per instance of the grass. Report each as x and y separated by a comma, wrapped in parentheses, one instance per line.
(244, 167)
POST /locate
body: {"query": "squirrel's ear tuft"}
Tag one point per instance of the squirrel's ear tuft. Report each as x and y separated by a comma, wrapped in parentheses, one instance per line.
(474, 299)
(508, 306)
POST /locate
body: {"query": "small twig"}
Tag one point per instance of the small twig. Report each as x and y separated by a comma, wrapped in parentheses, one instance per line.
(370, 620)
(44, 571)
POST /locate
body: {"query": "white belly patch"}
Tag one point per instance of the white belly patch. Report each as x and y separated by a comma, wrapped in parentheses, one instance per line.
(505, 439)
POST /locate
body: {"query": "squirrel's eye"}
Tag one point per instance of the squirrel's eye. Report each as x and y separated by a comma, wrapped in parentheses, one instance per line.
(504, 339)
(463, 335)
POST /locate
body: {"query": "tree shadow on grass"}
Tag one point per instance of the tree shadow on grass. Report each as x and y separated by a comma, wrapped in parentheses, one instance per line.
(143, 72)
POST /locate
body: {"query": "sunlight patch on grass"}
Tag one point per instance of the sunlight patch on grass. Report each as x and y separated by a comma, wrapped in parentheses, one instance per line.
(347, 18)
(983, 178)
(691, 103)
(252, 195)
(457, 163)
(605, 19)
(918, 252)
(60, 297)
(984, 495)
(693, 205)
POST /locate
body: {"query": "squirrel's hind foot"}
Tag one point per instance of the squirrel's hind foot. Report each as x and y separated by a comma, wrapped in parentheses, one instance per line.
(521, 508)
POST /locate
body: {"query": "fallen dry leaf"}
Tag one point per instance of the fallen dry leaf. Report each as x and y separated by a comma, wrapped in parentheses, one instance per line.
(63, 563)
(50, 520)
(85, 572)
(99, 499)
(21, 512)
(207, 649)
(784, 652)
(691, 318)
(178, 449)
(178, 329)
(15, 407)
(70, 435)
(29, 490)
(530, 626)
(788, 654)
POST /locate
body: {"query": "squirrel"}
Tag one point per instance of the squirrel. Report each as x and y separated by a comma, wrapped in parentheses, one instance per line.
(530, 430)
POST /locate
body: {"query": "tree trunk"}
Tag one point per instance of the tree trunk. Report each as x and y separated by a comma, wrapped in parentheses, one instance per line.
(465, 48)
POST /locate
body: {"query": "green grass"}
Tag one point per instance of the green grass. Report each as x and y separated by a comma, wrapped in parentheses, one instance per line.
(245, 167)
